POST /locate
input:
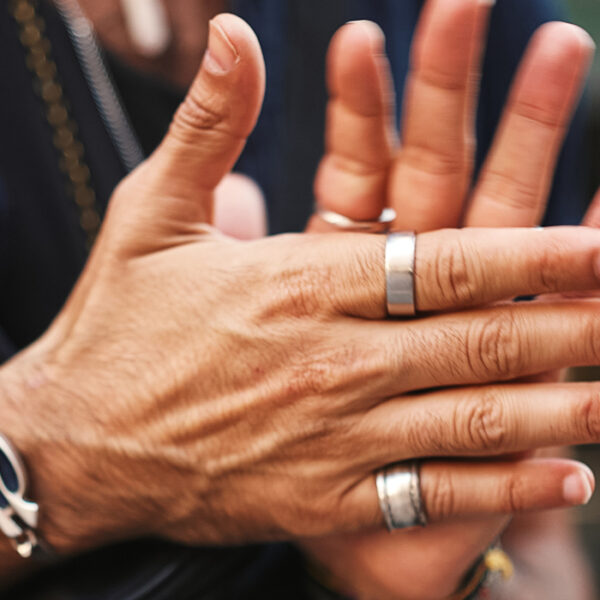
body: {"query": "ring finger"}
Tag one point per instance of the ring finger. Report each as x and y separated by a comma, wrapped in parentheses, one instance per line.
(360, 138)
(481, 421)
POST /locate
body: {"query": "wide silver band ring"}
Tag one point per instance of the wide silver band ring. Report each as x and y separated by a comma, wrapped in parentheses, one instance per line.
(380, 225)
(399, 493)
(400, 249)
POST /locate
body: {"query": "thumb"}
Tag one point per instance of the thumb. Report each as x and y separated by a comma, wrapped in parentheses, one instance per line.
(209, 129)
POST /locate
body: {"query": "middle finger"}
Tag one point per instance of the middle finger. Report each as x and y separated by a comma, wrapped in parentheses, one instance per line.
(432, 171)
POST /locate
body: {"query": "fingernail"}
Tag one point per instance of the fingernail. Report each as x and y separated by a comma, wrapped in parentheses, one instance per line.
(589, 474)
(221, 55)
(577, 488)
(373, 32)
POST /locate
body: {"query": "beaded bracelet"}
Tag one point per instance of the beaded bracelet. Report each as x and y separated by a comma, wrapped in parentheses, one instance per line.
(494, 566)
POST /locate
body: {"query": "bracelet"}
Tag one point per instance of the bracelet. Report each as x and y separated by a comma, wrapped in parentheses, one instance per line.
(18, 516)
(493, 566)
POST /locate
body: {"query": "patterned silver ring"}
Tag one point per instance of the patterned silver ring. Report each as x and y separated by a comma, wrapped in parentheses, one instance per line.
(399, 493)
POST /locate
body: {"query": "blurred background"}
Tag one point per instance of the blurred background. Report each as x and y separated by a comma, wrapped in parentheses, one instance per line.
(587, 14)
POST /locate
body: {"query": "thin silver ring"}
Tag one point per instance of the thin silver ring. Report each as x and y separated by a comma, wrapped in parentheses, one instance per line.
(400, 250)
(380, 225)
(399, 493)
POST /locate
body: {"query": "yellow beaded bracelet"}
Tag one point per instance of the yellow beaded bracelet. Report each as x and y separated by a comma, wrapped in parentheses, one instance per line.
(494, 561)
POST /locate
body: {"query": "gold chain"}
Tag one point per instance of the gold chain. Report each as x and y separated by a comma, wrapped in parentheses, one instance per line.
(65, 132)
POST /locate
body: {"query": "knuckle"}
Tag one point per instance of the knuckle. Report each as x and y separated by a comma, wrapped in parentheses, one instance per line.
(432, 76)
(592, 340)
(362, 284)
(586, 415)
(456, 278)
(292, 289)
(434, 162)
(540, 113)
(482, 422)
(301, 291)
(514, 497)
(425, 433)
(310, 517)
(318, 509)
(196, 114)
(549, 266)
(509, 192)
(403, 354)
(546, 275)
(331, 371)
(309, 380)
(440, 502)
(495, 348)
(195, 111)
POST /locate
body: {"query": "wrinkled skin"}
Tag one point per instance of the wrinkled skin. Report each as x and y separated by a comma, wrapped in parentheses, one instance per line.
(216, 391)
(363, 171)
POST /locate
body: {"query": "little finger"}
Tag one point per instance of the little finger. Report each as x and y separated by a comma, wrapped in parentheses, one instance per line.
(453, 489)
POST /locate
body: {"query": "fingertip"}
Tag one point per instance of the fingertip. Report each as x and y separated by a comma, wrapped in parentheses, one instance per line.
(234, 45)
(364, 32)
(552, 73)
(238, 32)
(566, 42)
(357, 53)
(209, 129)
(446, 29)
(589, 474)
(577, 488)
(221, 55)
(555, 31)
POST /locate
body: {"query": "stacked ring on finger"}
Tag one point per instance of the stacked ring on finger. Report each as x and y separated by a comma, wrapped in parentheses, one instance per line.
(380, 225)
(399, 257)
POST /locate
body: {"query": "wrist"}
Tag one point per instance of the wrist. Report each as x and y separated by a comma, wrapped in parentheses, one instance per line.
(37, 417)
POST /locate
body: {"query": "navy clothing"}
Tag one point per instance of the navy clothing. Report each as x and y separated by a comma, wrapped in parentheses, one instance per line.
(42, 247)
(282, 154)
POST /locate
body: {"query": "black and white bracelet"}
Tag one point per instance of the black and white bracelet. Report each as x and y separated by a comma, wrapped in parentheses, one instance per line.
(18, 516)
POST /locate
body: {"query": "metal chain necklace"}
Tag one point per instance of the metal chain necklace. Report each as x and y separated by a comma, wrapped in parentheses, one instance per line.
(65, 137)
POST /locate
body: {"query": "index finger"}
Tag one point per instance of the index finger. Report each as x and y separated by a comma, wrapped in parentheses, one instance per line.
(515, 180)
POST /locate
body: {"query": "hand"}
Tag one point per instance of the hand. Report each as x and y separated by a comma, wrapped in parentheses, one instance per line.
(427, 179)
(355, 180)
(195, 387)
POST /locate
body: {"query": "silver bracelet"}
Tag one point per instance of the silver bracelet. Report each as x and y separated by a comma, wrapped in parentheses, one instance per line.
(18, 516)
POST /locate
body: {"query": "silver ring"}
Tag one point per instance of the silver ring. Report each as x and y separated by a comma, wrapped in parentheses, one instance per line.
(380, 225)
(400, 251)
(399, 492)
